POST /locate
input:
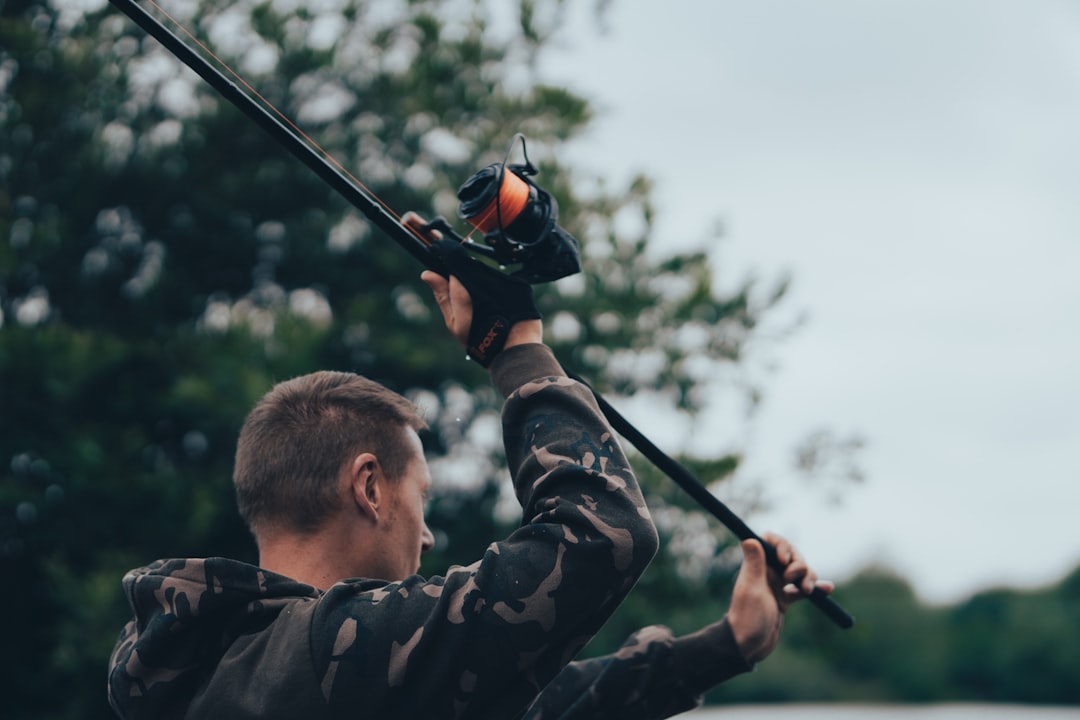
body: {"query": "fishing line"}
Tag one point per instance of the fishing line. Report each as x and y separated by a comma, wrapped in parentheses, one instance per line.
(511, 199)
(512, 188)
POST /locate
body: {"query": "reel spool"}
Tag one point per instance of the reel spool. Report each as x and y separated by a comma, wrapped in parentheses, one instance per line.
(518, 220)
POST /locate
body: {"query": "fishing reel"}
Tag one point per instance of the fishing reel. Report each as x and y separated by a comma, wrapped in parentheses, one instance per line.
(518, 220)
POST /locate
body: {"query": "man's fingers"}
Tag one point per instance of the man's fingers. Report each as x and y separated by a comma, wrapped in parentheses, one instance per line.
(754, 565)
(416, 223)
(454, 303)
(438, 284)
(460, 299)
(798, 578)
(413, 221)
(784, 549)
(799, 574)
(440, 288)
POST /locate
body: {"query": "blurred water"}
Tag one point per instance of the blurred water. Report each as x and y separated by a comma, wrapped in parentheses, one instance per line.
(883, 712)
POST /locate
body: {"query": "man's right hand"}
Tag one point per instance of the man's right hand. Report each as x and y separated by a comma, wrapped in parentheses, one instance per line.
(456, 305)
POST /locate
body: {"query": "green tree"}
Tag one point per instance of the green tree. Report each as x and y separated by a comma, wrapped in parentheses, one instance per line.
(1020, 647)
(164, 263)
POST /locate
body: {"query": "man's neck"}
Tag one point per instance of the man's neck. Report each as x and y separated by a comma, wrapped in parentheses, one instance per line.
(319, 560)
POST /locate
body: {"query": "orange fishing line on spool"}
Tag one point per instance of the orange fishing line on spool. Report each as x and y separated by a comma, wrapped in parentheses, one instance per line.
(505, 207)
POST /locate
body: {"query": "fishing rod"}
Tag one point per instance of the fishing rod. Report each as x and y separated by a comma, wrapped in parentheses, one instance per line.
(519, 222)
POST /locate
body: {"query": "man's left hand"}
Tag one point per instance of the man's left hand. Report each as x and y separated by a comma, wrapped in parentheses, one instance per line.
(762, 595)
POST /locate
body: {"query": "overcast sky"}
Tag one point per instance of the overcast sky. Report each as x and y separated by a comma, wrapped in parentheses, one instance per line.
(915, 166)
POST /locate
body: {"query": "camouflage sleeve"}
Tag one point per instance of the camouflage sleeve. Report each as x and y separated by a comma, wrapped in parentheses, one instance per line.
(653, 675)
(483, 640)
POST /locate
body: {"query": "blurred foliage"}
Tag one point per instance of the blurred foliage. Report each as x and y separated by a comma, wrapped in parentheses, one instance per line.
(163, 263)
(1006, 646)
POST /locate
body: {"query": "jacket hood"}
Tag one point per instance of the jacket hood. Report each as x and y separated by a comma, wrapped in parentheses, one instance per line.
(187, 613)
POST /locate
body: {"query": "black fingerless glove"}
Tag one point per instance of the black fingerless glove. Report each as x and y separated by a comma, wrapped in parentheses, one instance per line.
(498, 300)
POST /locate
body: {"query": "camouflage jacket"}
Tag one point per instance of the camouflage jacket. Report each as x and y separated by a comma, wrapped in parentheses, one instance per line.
(217, 638)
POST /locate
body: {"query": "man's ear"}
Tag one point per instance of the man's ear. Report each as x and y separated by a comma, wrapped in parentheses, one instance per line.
(366, 488)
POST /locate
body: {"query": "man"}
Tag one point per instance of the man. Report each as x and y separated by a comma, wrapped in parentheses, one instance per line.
(334, 622)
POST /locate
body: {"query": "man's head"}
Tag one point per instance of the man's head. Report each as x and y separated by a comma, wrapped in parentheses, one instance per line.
(298, 439)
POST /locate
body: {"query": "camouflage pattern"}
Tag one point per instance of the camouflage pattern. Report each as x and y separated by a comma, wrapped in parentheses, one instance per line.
(219, 638)
(653, 675)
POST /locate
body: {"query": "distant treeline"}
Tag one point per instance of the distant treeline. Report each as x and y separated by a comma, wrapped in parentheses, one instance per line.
(999, 646)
